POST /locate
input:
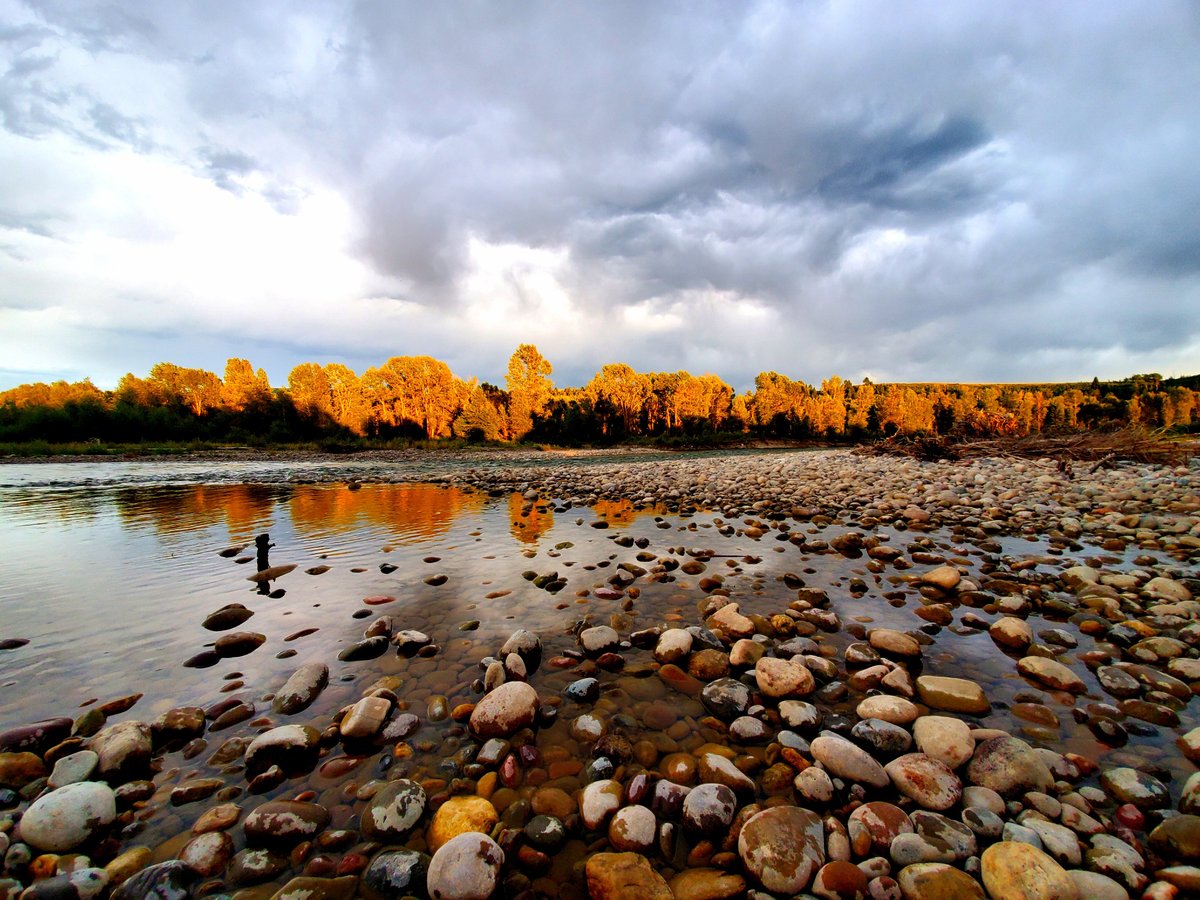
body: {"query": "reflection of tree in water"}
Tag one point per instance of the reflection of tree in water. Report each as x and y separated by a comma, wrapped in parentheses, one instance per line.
(530, 527)
(415, 512)
(623, 512)
(242, 508)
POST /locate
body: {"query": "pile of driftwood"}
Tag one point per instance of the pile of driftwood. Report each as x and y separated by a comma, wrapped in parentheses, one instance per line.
(1102, 448)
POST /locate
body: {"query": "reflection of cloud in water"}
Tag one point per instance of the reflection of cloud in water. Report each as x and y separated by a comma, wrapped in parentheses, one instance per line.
(242, 508)
(411, 512)
(535, 522)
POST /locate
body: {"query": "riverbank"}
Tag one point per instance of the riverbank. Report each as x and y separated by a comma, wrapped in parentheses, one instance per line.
(689, 676)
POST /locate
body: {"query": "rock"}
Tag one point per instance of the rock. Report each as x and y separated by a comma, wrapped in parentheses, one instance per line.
(938, 881)
(177, 726)
(239, 643)
(124, 751)
(1011, 633)
(19, 769)
(883, 738)
(875, 825)
(395, 873)
(171, 880)
(458, 815)
(803, 715)
(395, 810)
(293, 748)
(716, 769)
(506, 710)
(301, 689)
(632, 828)
(844, 760)
(729, 621)
(599, 800)
(255, 864)
(674, 645)
(366, 649)
(1050, 673)
(1162, 588)
(526, 645)
(814, 786)
(1131, 786)
(284, 823)
(945, 578)
(782, 847)
(69, 816)
(894, 643)
(1017, 870)
(619, 876)
(1094, 886)
(707, 884)
(1057, 840)
(598, 639)
(365, 718)
(745, 653)
(779, 678)
(952, 694)
(1009, 766)
(896, 710)
(945, 739)
(839, 879)
(73, 768)
(229, 616)
(308, 887)
(466, 867)
(208, 854)
(37, 737)
(932, 784)
(1178, 838)
(709, 808)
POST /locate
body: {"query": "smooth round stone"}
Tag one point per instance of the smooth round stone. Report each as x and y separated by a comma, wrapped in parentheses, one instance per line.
(396, 809)
(883, 737)
(285, 822)
(599, 800)
(208, 854)
(67, 817)
(598, 639)
(73, 768)
(715, 769)
(844, 760)
(952, 694)
(124, 750)
(945, 578)
(170, 880)
(545, 832)
(894, 643)
(1094, 886)
(1014, 869)
(395, 873)
(620, 876)
(745, 653)
(256, 864)
(801, 715)
(509, 708)
(1131, 786)
(873, 827)
(459, 815)
(731, 622)
(908, 849)
(1051, 674)
(1011, 633)
(945, 739)
(707, 884)
(840, 879)
(726, 698)
(1117, 682)
(217, 818)
(708, 664)
(239, 643)
(632, 829)
(301, 689)
(674, 645)
(1009, 766)
(779, 678)
(782, 848)
(938, 881)
(945, 833)
(932, 784)
(291, 747)
(466, 867)
(814, 786)
(1178, 838)
(983, 822)
(229, 616)
(709, 808)
(749, 730)
(896, 710)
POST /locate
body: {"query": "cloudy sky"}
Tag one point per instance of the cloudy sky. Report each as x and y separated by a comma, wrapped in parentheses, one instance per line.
(911, 191)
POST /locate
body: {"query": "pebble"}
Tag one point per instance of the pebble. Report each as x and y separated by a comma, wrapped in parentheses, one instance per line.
(782, 848)
(466, 867)
(844, 760)
(506, 710)
(1012, 869)
(69, 816)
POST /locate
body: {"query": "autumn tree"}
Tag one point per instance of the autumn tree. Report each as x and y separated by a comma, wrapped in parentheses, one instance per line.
(416, 391)
(529, 386)
(308, 387)
(243, 388)
(197, 389)
(623, 390)
(480, 419)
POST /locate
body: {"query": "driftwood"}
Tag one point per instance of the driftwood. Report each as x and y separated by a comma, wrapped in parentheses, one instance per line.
(1102, 448)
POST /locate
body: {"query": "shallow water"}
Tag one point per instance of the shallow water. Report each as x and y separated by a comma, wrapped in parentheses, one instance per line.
(110, 586)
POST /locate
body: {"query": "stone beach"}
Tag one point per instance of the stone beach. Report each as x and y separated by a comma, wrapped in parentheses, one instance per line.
(701, 676)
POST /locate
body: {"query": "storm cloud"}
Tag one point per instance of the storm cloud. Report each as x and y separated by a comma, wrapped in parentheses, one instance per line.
(922, 191)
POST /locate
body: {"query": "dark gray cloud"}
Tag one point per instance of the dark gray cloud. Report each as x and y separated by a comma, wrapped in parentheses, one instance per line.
(924, 190)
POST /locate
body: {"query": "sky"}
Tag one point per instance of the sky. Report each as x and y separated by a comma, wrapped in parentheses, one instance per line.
(917, 191)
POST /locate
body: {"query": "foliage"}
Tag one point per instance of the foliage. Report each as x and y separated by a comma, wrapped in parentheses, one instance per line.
(410, 400)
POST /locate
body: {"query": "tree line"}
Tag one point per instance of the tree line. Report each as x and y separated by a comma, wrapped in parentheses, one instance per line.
(419, 398)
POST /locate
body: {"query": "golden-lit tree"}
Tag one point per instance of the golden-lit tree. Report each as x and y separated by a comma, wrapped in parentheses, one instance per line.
(243, 388)
(479, 417)
(308, 387)
(529, 388)
(197, 389)
(417, 390)
(619, 386)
